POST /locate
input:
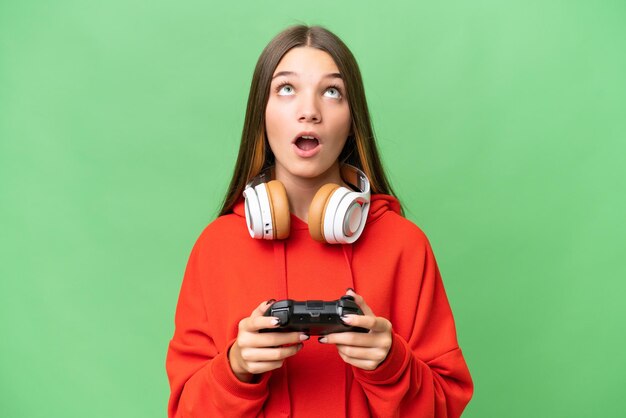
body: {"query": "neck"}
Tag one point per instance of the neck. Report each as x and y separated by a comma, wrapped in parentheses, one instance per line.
(301, 190)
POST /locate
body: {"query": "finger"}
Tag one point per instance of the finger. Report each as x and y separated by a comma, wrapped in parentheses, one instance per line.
(361, 364)
(263, 306)
(270, 339)
(377, 354)
(255, 323)
(274, 339)
(360, 301)
(263, 366)
(373, 323)
(269, 354)
(363, 321)
(356, 339)
(362, 353)
(262, 322)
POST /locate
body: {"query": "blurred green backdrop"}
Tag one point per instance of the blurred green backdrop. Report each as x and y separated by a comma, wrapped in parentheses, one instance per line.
(501, 123)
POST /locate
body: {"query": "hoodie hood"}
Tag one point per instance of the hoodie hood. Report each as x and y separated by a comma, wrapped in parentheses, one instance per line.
(380, 204)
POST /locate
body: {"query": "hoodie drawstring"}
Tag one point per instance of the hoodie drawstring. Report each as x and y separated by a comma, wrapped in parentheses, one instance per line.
(347, 253)
(280, 385)
(280, 262)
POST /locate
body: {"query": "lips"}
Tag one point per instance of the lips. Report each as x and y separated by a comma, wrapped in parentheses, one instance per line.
(306, 144)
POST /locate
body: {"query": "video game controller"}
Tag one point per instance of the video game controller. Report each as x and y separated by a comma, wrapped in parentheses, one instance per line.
(314, 317)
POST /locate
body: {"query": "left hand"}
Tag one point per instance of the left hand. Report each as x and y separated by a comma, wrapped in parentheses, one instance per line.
(365, 351)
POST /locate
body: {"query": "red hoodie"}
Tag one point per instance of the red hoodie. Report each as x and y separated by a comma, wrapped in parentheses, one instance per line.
(391, 265)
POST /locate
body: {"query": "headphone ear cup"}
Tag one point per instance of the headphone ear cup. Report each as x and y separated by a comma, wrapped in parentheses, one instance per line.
(279, 206)
(254, 217)
(317, 211)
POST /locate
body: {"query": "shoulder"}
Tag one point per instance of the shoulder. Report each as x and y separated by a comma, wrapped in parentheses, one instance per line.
(393, 227)
(387, 224)
(224, 231)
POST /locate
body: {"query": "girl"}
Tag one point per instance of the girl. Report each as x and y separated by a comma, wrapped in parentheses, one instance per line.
(309, 184)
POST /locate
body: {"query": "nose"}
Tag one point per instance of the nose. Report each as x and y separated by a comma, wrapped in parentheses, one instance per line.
(309, 110)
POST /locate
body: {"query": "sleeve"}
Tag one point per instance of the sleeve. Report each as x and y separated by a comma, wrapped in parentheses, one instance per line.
(425, 375)
(201, 381)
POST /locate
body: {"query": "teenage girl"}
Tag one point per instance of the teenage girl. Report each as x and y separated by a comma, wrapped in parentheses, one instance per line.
(310, 214)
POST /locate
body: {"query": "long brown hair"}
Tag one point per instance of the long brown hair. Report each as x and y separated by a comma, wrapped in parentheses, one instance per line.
(254, 152)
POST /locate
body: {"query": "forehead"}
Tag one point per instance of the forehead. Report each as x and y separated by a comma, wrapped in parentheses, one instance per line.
(306, 59)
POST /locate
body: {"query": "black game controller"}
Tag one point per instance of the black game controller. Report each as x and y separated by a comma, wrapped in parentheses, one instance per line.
(314, 317)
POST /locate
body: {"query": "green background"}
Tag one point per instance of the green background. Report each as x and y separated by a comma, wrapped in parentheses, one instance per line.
(501, 124)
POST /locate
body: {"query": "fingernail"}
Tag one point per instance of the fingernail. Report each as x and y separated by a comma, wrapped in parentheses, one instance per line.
(300, 346)
(322, 340)
(304, 337)
(350, 289)
(346, 318)
(269, 302)
(276, 321)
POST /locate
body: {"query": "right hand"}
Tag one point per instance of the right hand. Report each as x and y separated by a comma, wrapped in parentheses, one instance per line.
(254, 353)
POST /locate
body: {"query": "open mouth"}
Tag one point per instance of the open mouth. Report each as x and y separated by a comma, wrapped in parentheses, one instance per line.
(307, 143)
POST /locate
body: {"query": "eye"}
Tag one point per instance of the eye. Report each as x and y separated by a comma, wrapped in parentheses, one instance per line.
(285, 90)
(333, 92)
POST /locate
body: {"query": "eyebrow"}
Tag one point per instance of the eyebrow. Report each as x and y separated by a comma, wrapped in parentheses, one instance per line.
(286, 73)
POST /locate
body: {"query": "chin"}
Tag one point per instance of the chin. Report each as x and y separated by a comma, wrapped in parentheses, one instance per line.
(307, 169)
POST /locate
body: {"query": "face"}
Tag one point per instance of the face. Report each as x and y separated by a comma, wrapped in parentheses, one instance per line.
(307, 118)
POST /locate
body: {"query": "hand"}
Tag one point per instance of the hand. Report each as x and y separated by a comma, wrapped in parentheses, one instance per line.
(365, 351)
(254, 353)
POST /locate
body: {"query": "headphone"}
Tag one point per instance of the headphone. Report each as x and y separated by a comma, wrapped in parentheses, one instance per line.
(337, 214)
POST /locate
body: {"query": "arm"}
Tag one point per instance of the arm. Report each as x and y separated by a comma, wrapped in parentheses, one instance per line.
(422, 375)
(201, 380)
(211, 373)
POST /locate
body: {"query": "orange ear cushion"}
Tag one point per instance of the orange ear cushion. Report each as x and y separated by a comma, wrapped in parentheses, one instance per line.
(317, 210)
(279, 205)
